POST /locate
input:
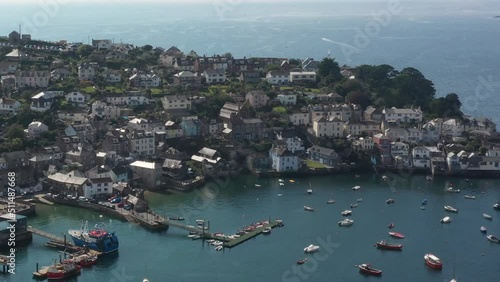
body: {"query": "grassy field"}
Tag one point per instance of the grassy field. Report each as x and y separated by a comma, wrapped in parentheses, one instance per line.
(313, 164)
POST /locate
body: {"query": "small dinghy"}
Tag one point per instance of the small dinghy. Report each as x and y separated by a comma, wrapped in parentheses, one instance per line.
(483, 229)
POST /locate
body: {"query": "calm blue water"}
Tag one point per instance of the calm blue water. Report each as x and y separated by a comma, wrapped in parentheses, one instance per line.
(454, 44)
(171, 256)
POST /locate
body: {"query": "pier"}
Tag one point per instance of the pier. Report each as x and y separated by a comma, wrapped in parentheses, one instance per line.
(52, 237)
(236, 241)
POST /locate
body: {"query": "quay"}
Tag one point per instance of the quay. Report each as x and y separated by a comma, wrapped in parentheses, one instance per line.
(22, 207)
(229, 243)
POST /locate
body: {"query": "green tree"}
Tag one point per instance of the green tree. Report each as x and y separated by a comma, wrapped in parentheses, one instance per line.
(147, 48)
(84, 50)
(15, 131)
(327, 67)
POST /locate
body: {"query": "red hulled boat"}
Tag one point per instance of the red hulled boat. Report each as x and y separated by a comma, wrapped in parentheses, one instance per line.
(367, 269)
(64, 270)
(433, 261)
(389, 246)
(397, 235)
(88, 262)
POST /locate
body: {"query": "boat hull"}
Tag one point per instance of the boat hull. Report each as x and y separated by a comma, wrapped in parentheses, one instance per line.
(434, 265)
(395, 247)
(105, 245)
(374, 272)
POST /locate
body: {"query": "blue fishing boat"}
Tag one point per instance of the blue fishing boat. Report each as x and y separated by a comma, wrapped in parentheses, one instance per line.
(98, 239)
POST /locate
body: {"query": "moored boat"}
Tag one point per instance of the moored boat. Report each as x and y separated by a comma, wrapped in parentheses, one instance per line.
(471, 197)
(450, 209)
(496, 206)
(308, 208)
(88, 261)
(258, 185)
(219, 248)
(446, 219)
(357, 187)
(487, 216)
(302, 261)
(493, 238)
(389, 201)
(346, 212)
(428, 178)
(97, 239)
(311, 249)
(424, 202)
(397, 235)
(388, 246)
(451, 190)
(266, 231)
(367, 269)
(359, 200)
(353, 206)
(331, 201)
(390, 226)
(63, 270)
(309, 191)
(346, 222)
(483, 229)
(433, 261)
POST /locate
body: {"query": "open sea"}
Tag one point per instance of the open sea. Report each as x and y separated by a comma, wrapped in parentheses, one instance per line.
(454, 44)
(230, 205)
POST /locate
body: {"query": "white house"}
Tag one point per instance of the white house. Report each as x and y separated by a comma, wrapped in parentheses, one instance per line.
(299, 117)
(77, 98)
(173, 130)
(102, 44)
(100, 187)
(86, 72)
(176, 102)
(8, 67)
(142, 143)
(328, 127)
(277, 77)
(215, 76)
(452, 127)
(36, 128)
(9, 106)
(112, 76)
(32, 79)
(399, 149)
(106, 111)
(293, 142)
(138, 124)
(302, 76)
(42, 101)
(421, 157)
(363, 144)
(132, 98)
(402, 115)
(287, 98)
(283, 160)
(145, 80)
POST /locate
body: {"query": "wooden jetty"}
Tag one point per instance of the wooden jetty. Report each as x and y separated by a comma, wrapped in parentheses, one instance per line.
(47, 235)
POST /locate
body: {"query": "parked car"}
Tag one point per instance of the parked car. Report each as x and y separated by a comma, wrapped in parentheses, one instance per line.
(127, 207)
(116, 200)
(120, 205)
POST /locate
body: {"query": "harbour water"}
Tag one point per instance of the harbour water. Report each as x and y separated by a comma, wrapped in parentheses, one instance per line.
(171, 256)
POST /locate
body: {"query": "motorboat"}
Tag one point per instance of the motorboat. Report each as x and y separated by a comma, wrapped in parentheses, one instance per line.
(471, 197)
(309, 191)
(88, 261)
(281, 180)
(385, 177)
(302, 261)
(308, 208)
(446, 219)
(433, 261)
(196, 237)
(219, 248)
(346, 213)
(428, 178)
(493, 238)
(397, 235)
(424, 202)
(353, 206)
(346, 222)
(483, 229)
(497, 206)
(266, 231)
(357, 187)
(359, 200)
(192, 236)
(487, 216)
(451, 190)
(367, 269)
(388, 246)
(311, 249)
(63, 270)
(176, 218)
(331, 201)
(282, 184)
(280, 194)
(291, 181)
(391, 226)
(200, 221)
(258, 185)
(389, 201)
(450, 209)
